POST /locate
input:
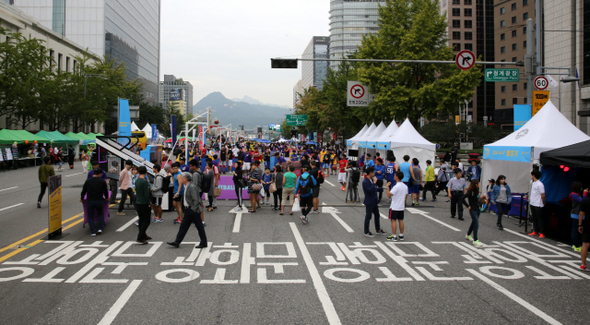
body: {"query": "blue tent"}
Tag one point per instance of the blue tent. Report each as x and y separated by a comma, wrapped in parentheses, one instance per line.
(264, 140)
(313, 143)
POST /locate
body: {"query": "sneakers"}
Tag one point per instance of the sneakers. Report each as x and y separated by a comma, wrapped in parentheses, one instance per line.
(392, 238)
(577, 248)
(468, 237)
(401, 237)
(500, 227)
(39, 205)
(533, 234)
(541, 235)
(239, 209)
(160, 220)
(99, 231)
(316, 211)
(304, 220)
(417, 203)
(413, 203)
(120, 213)
(177, 220)
(137, 223)
(369, 234)
(343, 188)
(381, 232)
(92, 235)
(477, 243)
(583, 267)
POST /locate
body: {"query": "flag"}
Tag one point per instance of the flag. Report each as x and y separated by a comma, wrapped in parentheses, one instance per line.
(552, 82)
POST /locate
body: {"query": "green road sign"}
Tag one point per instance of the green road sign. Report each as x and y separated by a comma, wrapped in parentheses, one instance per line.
(296, 120)
(502, 75)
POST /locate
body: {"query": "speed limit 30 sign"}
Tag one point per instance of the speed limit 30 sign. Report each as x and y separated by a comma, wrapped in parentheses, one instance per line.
(541, 83)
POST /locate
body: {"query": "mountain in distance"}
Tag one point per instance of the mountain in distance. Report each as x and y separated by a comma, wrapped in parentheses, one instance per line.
(237, 113)
(252, 101)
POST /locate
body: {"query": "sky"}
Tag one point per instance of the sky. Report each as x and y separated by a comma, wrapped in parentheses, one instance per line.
(227, 45)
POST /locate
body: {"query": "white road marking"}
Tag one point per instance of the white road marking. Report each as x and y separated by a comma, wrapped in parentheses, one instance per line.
(514, 297)
(125, 226)
(76, 174)
(318, 284)
(237, 222)
(334, 212)
(384, 216)
(326, 181)
(425, 215)
(110, 316)
(566, 251)
(12, 206)
(9, 188)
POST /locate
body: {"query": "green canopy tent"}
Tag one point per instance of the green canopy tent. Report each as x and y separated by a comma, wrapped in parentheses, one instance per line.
(58, 137)
(8, 137)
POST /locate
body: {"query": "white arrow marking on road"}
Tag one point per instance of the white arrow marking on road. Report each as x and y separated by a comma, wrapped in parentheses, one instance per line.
(9, 188)
(334, 214)
(110, 316)
(326, 181)
(238, 221)
(425, 214)
(516, 298)
(12, 206)
(125, 226)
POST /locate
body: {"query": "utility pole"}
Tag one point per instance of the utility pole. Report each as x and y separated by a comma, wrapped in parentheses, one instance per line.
(529, 60)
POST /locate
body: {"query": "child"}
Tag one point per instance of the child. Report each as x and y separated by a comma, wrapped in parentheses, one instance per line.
(485, 198)
(266, 180)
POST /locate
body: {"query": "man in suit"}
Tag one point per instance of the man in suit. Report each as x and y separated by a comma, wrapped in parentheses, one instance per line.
(371, 202)
(192, 208)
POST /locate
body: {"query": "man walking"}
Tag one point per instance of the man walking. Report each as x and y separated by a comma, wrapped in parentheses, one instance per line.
(96, 192)
(371, 203)
(430, 182)
(143, 205)
(456, 189)
(304, 191)
(193, 207)
(319, 176)
(71, 156)
(45, 171)
(125, 185)
(537, 200)
(398, 195)
(158, 191)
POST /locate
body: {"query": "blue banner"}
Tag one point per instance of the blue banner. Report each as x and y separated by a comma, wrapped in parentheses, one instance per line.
(383, 145)
(173, 130)
(521, 154)
(154, 132)
(124, 120)
(522, 114)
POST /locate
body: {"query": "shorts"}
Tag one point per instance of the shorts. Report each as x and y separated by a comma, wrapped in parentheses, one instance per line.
(246, 166)
(341, 177)
(157, 201)
(325, 165)
(223, 163)
(177, 199)
(396, 215)
(414, 189)
(316, 192)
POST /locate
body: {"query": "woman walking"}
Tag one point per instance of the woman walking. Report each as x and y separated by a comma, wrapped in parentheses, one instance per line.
(278, 181)
(471, 200)
(416, 182)
(501, 198)
(254, 187)
(239, 183)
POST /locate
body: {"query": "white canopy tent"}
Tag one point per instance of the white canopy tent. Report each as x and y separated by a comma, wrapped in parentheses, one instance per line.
(384, 141)
(148, 131)
(407, 141)
(349, 142)
(355, 143)
(514, 155)
(365, 136)
(134, 127)
(371, 139)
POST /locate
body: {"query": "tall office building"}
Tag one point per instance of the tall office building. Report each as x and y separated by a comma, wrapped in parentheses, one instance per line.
(349, 21)
(173, 90)
(313, 73)
(126, 31)
(297, 92)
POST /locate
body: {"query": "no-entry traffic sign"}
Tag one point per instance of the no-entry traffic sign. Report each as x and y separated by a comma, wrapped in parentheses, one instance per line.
(541, 83)
(357, 91)
(465, 60)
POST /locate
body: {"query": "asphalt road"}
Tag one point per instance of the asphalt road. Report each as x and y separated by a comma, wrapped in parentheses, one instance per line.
(266, 269)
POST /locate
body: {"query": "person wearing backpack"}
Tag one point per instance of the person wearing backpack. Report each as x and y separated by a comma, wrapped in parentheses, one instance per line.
(158, 191)
(319, 176)
(354, 176)
(304, 191)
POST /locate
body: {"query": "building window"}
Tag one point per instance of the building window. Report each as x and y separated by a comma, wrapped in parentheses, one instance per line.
(502, 23)
(74, 66)
(502, 36)
(503, 60)
(51, 59)
(456, 23)
(456, 47)
(467, 2)
(468, 12)
(502, 11)
(514, 20)
(514, 59)
(469, 24)
(456, 12)
(524, 30)
(526, 100)
(515, 87)
(514, 47)
(59, 56)
(524, 44)
(513, 6)
(503, 88)
(525, 3)
(503, 102)
(67, 64)
(456, 35)
(514, 100)
(525, 16)
(469, 46)
(524, 86)
(503, 49)
(514, 33)
(456, 2)
(468, 36)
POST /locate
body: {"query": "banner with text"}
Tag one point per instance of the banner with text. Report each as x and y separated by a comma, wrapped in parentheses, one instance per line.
(124, 120)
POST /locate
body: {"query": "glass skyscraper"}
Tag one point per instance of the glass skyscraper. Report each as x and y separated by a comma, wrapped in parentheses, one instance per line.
(313, 73)
(126, 31)
(349, 21)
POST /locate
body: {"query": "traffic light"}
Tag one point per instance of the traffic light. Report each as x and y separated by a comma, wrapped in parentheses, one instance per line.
(283, 63)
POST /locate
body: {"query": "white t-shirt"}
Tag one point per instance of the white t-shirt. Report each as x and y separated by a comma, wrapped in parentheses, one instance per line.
(398, 199)
(536, 190)
(235, 152)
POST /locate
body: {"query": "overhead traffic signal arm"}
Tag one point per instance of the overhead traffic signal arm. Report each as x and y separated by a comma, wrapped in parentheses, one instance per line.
(283, 63)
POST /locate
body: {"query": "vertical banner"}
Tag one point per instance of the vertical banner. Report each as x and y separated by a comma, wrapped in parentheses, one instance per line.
(201, 134)
(154, 133)
(522, 114)
(173, 129)
(54, 206)
(319, 141)
(124, 120)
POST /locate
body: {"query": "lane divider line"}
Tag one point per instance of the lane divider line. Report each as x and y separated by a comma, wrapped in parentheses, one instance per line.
(237, 222)
(326, 181)
(11, 254)
(9, 188)
(425, 215)
(129, 223)
(110, 316)
(12, 206)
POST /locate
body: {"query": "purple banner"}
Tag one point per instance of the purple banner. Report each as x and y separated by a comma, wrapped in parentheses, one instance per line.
(228, 191)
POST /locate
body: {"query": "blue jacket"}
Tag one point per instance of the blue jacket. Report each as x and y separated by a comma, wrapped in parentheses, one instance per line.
(496, 192)
(370, 191)
(470, 174)
(380, 169)
(307, 177)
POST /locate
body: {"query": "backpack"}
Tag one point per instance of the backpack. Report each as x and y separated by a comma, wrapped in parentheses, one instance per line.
(240, 156)
(355, 176)
(319, 175)
(205, 181)
(305, 188)
(165, 184)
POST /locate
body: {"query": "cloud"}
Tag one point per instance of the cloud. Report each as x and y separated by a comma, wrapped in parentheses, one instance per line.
(226, 46)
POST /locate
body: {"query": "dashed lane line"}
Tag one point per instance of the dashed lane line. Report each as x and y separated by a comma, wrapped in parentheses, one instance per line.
(12, 206)
(110, 316)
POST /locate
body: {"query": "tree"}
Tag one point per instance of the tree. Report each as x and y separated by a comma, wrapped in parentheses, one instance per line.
(412, 30)
(153, 114)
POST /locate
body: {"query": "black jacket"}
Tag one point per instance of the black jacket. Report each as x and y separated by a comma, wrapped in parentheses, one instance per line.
(471, 199)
